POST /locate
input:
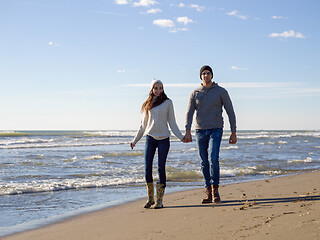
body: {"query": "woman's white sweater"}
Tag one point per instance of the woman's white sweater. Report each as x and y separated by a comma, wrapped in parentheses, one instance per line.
(156, 123)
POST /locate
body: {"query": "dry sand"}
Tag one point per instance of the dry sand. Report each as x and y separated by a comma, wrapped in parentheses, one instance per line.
(278, 208)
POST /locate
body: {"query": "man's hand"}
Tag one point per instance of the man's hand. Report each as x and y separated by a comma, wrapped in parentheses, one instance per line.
(187, 137)
(233, 138)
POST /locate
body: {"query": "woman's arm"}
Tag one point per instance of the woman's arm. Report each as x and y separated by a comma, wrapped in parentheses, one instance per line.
(172, 121)
(140, 131)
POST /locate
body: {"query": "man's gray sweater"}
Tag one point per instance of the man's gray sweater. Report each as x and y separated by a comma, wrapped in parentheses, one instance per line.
(208, 103)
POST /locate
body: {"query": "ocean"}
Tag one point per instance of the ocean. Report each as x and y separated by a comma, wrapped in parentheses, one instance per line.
(46, 176)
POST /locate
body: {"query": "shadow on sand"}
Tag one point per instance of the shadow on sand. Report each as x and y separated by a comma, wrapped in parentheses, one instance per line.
(255, 201)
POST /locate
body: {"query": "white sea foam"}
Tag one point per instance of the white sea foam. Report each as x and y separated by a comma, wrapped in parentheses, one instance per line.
(24, 141)
(110, 133)
(306, 160)
(60, 145)
(192, 149)
(271, 172)
(69, 159)
(94, 157)
(247, 137)
(230, 147)
(60, 185)
(280, 134)
(237, 171)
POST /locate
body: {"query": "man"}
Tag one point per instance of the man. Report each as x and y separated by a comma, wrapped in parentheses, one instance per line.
(208, 100)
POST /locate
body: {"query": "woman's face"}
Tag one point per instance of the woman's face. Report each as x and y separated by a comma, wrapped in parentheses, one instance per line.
(157, 89)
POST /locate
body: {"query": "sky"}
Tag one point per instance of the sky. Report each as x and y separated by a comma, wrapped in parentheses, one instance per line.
(87, 65)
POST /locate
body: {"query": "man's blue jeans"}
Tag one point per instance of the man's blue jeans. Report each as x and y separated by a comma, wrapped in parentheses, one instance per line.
(150, 150)
(209, 146)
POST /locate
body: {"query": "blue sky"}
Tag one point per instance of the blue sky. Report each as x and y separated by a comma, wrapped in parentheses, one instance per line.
(87, 65)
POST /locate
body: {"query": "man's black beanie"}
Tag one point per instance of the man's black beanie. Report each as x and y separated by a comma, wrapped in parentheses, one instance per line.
(206, 67)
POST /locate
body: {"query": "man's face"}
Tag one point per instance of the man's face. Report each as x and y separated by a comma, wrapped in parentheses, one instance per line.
(206, 76)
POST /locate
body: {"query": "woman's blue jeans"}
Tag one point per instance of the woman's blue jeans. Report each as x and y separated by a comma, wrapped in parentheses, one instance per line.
(209, 146)
(150, 150)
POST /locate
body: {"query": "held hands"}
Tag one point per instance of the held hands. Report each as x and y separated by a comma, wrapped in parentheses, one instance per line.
(187, 137)
(233, 138)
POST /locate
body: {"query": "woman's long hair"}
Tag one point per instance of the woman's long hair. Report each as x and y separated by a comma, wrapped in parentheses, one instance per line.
(153, 101)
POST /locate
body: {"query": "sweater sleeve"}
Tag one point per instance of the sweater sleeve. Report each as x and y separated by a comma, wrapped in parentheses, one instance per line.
(141, 129)
(190, 111)
(172, 122)
(229, 109)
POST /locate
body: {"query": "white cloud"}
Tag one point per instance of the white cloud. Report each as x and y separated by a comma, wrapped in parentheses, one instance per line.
(121, 71)
(164, 23)
(53, 44)
(277, 17)
(238, 68)
(287, 34)
(197, 7)
(184, 20)
(284, 85)
(153, 10)
(260, 85)
(180, 5)
(304, 90)
(279, 89)
(145, 3)
(178, 85)
(121, 2)
(175, 30)
(235, 13)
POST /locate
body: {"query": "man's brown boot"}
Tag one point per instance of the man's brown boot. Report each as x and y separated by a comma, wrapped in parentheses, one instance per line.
(215, 193)
(208, 198)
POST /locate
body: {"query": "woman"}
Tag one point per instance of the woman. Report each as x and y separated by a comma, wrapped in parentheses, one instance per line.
(157, 113)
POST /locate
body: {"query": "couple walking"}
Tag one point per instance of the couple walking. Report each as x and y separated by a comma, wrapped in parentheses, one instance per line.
(207, 101)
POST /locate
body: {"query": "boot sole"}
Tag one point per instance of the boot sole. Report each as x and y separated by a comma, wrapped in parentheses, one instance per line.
(148, 205)
(158, 207)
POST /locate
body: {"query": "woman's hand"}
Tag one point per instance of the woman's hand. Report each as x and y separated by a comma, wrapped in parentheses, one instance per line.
(132, 145)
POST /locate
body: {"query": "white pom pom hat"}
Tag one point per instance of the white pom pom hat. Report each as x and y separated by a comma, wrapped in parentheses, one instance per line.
(154, 81)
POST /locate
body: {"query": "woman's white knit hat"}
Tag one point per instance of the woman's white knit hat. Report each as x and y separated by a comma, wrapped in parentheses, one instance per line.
(154, 81)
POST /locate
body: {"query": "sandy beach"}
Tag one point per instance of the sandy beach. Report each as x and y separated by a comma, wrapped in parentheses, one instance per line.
(278, 208)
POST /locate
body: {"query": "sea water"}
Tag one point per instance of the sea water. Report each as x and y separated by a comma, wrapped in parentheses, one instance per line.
(46, 176)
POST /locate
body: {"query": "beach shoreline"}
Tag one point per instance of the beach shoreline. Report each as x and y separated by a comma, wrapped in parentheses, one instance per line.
(287, 206)
(50, 175)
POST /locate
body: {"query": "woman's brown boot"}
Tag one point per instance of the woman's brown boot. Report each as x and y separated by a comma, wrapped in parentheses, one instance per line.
(150, 201)
(160, 194)
(215, 193)
(208, 198)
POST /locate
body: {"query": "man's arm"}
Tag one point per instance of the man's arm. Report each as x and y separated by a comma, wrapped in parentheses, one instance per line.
(227, 103)
(189, 117)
